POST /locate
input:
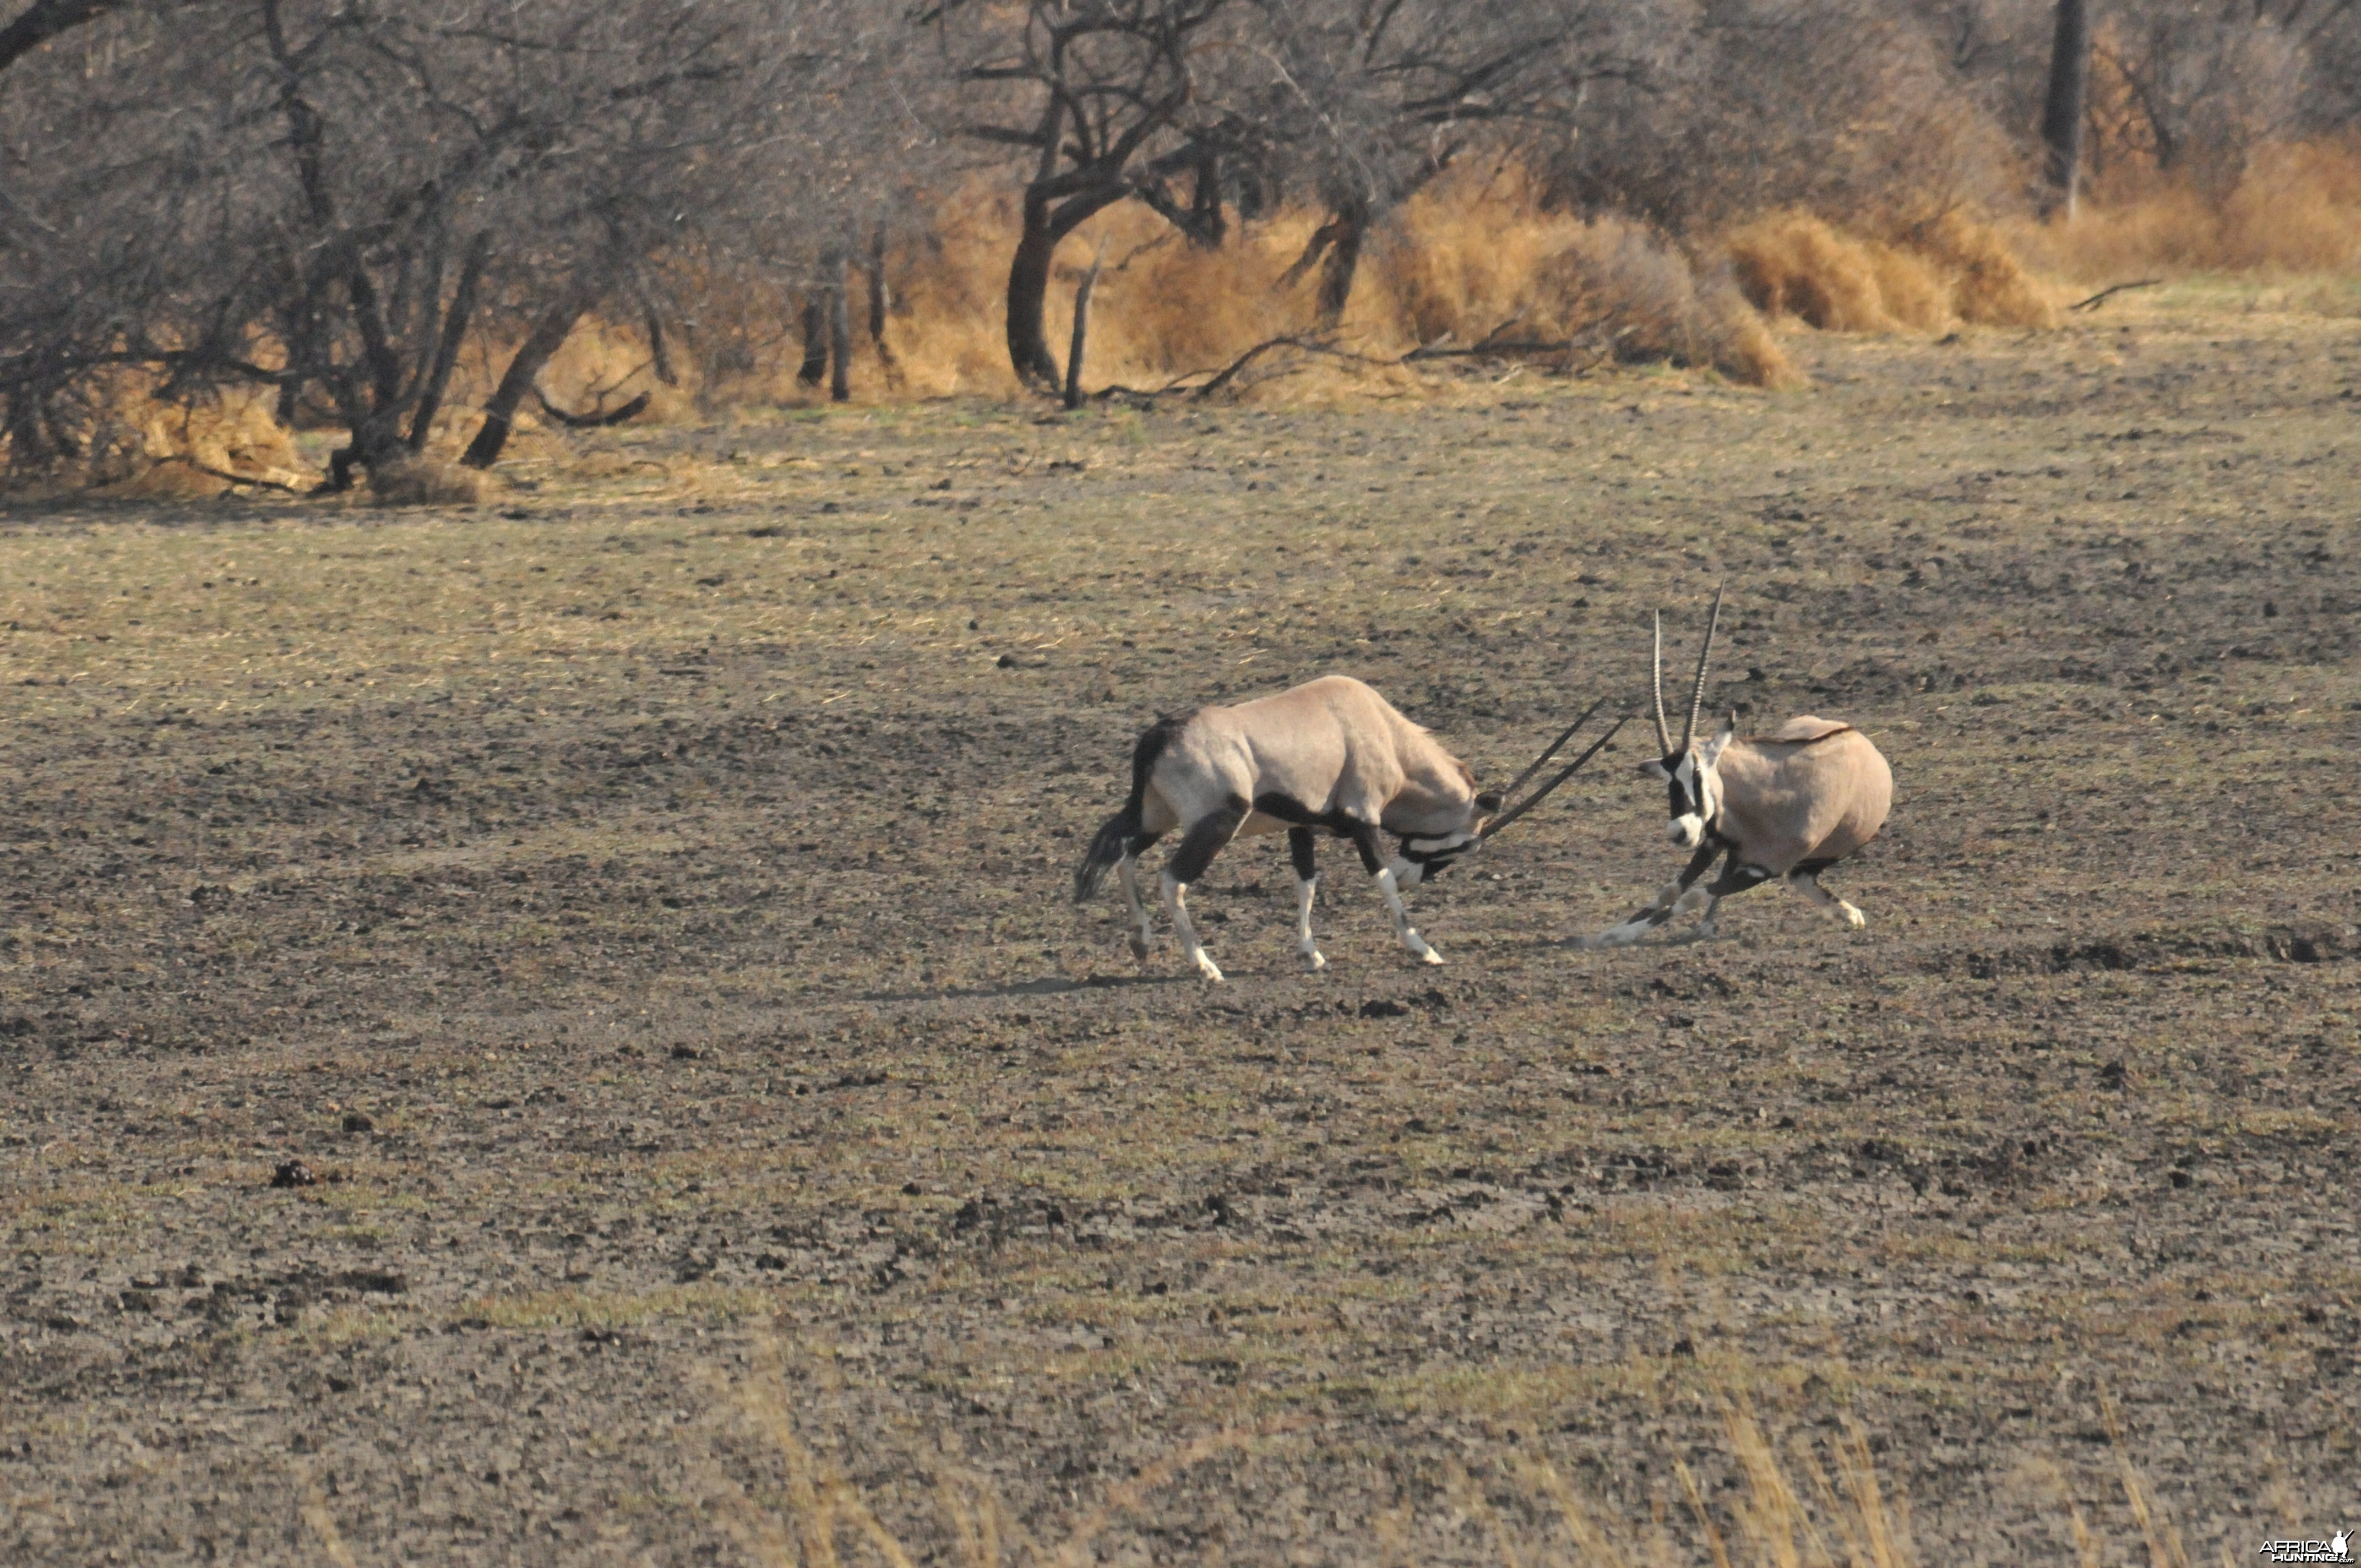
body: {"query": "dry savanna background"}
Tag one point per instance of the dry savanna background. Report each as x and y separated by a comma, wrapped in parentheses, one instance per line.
(574, 582)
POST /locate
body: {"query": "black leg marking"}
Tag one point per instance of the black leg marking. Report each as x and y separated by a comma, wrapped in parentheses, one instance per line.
(1203, 841)
(1736, 879)
(1657, 914)
(1365, 839)
(1300, 849)
(1141, 843)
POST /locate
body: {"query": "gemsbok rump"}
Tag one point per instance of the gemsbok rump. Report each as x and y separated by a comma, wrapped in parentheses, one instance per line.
(1330, 756)
(1790, 805)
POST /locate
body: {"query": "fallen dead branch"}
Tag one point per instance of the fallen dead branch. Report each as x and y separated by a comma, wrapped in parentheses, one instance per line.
(213, 473)
(1307, 345)
(2095, 301)
(591, 421)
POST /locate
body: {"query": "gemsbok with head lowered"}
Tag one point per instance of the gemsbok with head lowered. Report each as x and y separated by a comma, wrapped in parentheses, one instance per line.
(1790, 805)
(1330, 756)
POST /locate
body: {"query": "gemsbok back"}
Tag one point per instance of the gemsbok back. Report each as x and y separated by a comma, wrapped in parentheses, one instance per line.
(1790, 805)
(1330, 756)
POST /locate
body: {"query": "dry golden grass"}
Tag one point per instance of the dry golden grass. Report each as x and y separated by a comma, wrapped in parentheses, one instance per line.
(1472, 260)
(1796, 1502)
(2297, 210)
(425, 481)
(1931, 276)
(1465, 262)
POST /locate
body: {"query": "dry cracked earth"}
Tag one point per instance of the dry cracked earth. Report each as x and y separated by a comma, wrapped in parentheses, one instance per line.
(554, 1033)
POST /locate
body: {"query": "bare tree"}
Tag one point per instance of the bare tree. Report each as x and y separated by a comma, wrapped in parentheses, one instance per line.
(330, 202)
(2062, 105)
(1374, 101)
(1103, 94)
(2211, 79)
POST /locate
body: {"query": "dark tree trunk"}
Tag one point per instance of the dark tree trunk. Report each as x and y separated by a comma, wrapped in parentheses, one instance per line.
(1208, 227)
(547, 337)
(1080, 340)
(1028, 289)
(44, 20)
(839, 333)
(815, 366)
(659, 348)
(881, 298)
(20, 418)
(2062, 107)
(1028, 279)
(1343, 261)
(446, 349)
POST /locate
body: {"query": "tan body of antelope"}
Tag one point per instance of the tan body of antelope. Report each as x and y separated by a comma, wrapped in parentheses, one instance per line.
(1788, 805)
(1330, 756)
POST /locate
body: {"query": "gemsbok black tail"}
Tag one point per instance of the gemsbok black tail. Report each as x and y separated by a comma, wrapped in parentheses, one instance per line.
(1108, 844)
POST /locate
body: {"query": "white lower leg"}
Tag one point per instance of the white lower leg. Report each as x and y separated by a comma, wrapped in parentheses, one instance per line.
(1176, 906)
(1390, 887)
(1809, 886)
(1127, 871)
(1639, 926)
(1304, 947)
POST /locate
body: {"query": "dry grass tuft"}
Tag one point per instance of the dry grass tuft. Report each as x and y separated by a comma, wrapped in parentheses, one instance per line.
(424, 482)
(1932, 277)
(823, 1510)
(2297, 209)
(2163, 1545)
(129, 443)
(1472, 266)
(1990, 284)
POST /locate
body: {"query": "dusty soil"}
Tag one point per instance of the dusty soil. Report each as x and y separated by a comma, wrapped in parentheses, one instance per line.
(639, 908)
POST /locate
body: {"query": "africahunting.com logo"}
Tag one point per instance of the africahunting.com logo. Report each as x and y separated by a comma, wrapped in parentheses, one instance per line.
(2337, 1548)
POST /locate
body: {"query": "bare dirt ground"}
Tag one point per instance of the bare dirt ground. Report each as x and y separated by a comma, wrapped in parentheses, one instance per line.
(640, 906)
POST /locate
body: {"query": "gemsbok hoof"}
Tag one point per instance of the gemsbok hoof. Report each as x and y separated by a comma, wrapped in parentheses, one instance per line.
(1330, 756)
(1787, 806)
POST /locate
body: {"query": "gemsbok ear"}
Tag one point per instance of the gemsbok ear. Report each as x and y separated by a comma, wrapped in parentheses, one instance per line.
(1487, 803)
(1655, 769)
(1709, 752)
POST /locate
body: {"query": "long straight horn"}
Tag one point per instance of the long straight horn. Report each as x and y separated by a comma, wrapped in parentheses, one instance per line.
(1705, 657)
(1552, 750)
(1664, 735)
(1543, 794)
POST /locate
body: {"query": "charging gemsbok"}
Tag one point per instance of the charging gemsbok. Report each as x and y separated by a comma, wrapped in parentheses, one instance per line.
(1331, 755)
(1788, 804)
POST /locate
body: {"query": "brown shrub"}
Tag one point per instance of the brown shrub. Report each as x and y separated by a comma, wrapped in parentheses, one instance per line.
(2297, 209)
(1791, 264)
(424, 482)
(1928, 277)
(1472, 270)
(1989, 282)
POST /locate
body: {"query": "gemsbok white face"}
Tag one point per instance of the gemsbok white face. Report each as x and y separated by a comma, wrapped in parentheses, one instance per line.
(1690, 773)
(1694, 784)
(1787, 805)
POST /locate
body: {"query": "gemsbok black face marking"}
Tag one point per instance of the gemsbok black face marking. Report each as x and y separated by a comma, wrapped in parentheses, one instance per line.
(1329, 757)
(1788, 804)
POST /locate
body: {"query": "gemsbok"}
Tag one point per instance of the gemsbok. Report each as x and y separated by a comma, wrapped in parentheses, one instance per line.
(1787, 805)
(1330, 756)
